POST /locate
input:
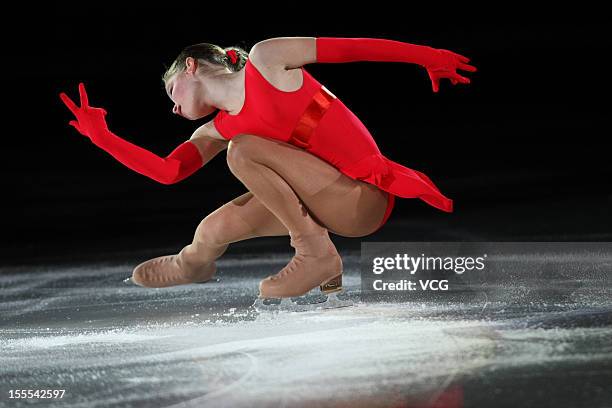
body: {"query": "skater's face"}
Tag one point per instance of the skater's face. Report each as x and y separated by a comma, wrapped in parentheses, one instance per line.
(186, 91)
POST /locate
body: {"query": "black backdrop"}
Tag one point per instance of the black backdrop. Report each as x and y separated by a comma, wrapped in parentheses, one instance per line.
(528, 132)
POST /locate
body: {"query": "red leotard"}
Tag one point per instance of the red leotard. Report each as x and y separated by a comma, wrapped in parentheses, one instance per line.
(338, 136)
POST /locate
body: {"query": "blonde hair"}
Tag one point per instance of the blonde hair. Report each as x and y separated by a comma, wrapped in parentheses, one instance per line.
(205, 52)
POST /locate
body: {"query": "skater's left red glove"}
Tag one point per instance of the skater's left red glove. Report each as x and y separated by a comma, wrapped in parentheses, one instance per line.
(91, 122)
(439, 63)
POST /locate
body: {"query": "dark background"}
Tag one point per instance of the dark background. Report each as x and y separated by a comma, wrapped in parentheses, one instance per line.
(522, 150)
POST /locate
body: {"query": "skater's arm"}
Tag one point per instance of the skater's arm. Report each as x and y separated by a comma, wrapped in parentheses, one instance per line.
(91, 122)
(293, 52)
(288, 52)
(206, 139)
(439, 63)
(182, 162)
(330, 49)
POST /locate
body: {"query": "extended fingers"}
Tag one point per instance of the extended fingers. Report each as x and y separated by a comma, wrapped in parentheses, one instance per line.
(467, 67)
(461, 57)
(435, 83)
(68, 102)
(460, 78)
(83, 94)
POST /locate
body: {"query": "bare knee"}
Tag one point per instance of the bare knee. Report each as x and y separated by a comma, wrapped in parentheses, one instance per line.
(211, 230)
(241, 149)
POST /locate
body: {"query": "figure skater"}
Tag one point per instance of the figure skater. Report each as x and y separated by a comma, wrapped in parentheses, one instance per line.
(309, 164)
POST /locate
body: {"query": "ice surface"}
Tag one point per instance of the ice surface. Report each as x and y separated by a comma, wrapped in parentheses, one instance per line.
(203, 345)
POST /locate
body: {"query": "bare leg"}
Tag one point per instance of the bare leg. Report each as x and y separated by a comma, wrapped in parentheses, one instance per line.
(293, 184)
(334, 201)
(289, 177)
(243, 218)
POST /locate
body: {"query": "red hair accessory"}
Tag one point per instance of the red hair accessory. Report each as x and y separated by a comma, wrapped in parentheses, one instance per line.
(233, 56)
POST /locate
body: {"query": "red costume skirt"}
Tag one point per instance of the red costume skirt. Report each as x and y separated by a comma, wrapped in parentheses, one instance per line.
(330, 131)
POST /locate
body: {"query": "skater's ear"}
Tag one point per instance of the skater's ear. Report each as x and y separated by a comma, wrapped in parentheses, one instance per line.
(191, 65)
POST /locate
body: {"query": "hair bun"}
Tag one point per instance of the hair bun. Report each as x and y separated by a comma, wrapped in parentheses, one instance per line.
(232, 56)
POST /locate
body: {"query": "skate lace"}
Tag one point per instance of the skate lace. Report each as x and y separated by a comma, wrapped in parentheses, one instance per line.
(151, 272)
(291, 267)
(163, 277)
(298, 258)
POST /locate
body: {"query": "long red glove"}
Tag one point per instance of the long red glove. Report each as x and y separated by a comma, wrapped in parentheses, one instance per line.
(178, 165)
(439, 63)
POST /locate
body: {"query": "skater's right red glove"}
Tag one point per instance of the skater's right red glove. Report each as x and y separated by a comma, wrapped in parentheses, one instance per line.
(91, 122)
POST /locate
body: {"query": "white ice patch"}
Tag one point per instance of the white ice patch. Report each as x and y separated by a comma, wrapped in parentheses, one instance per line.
(46, 342)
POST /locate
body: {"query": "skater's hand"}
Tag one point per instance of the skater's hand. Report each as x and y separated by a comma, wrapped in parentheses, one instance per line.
(446, 67)
(90, 121)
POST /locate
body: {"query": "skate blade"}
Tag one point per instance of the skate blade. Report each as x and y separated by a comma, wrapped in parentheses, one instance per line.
(288, 305)
(129, 281)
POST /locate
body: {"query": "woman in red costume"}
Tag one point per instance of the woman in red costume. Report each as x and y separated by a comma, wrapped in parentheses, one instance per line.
(309, 164)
